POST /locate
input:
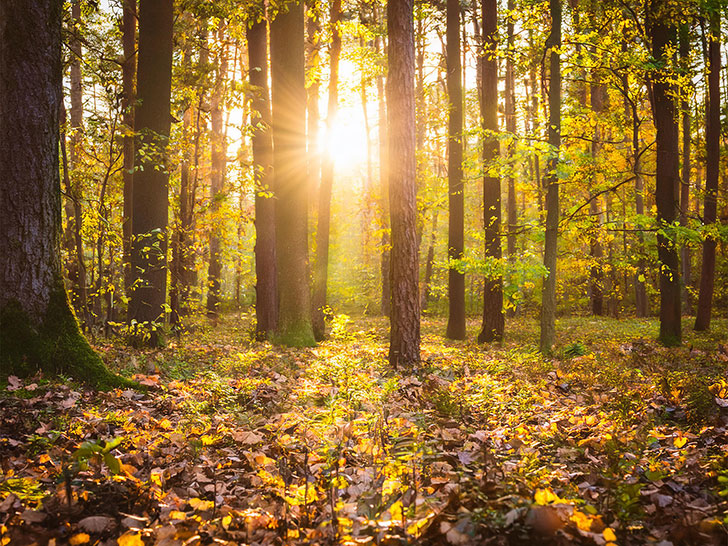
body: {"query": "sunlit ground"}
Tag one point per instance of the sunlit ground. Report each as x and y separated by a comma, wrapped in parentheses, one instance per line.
(613, 440)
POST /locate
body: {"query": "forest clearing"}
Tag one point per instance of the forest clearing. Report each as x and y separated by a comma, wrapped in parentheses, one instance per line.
(616, 440)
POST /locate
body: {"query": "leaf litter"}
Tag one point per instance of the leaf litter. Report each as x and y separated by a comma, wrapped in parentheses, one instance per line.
(239, 442)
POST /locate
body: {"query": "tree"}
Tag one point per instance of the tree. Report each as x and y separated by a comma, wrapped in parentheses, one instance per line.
(384, 264)
(73, 242)
(712, 144)
(289, 165)
(218, 166)
(493, 319)
(551, 182)
(456, 198)
(266, 301)
(149, 194)
(663, 36)
(128, 71)
(37, 327)
(327, 178)
(404, 337)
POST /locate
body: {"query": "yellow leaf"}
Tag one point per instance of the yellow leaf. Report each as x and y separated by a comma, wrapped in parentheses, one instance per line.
(130, 538)
(609, 534)
(80, 538)
(582, 520)
(176, 514)
(680, 441)
(545, 496)
(226, 521)
(202, 505)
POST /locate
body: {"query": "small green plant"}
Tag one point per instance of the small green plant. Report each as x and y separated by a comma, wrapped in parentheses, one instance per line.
(572, 350)
(98, 451)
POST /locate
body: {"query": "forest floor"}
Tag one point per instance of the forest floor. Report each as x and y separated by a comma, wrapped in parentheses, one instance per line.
(614, 440)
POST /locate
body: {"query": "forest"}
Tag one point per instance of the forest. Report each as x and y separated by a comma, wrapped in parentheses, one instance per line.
(379, 272)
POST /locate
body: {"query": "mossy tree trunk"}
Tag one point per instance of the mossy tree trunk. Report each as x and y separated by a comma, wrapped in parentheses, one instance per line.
(288, 94)
(38, 330)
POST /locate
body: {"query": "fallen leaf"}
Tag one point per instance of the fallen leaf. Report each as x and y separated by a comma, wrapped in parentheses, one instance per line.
(95, 524)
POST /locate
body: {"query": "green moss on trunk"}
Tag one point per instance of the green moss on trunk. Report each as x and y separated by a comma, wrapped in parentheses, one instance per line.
(56, 346)
(295, 334)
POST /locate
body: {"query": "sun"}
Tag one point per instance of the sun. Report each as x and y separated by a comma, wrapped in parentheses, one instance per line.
(346, 141)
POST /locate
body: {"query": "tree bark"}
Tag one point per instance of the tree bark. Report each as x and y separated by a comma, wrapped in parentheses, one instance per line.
(266, 301)
(386, 295)
(37, 327)
(596, 249)
(404, 346)
(289, 163)
(493, 318)
(510, 114)
(685, 257)
(456, 198)
(327, 179)
(218, 166)
(149, 199)
(551, 183)
(712, 144)
(429, 262)
(128, 72)
(664, 38)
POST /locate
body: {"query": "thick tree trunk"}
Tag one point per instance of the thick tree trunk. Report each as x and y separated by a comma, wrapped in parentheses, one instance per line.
(320, 278)
(712, 144)
(551, 183)
(149, 199)
(456, 198)
(128, 71)
(493, 318)
(289, 160)
(664, 38)
(266, 291)
(37, 327)
(218, 166)
(404, 346)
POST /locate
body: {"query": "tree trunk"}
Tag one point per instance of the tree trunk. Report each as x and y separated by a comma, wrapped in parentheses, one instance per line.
(289, 164)
(551, 183)
(686, 167)
(641, 307)
(493, 318)
(664, 38)
(37, 327)
(429, 262)
(266, 291)
(128, 71)
(386, 296)
(327, 179)
(218, 166)
(712, 144)
(456, 198)
(404, 346)
(149, 196)
(72, 240)
(510, 114)
(596, 250)
(313, 71)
